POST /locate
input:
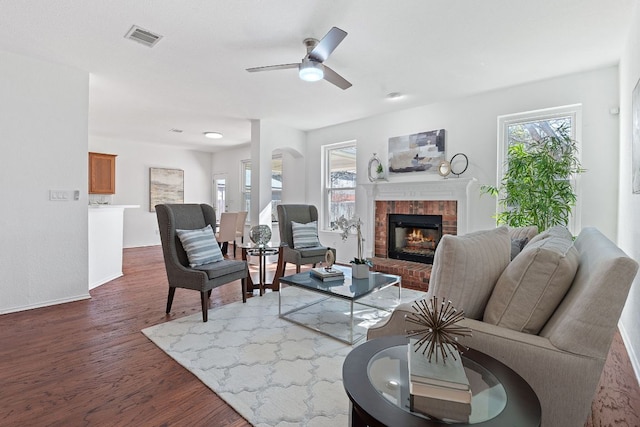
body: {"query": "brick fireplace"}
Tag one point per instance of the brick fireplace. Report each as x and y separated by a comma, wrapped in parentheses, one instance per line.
(448, 209)
(449, 198)
(415, 275)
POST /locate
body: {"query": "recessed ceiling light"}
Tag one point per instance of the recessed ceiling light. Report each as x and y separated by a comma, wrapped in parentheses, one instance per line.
(213, 135)
(394, 96)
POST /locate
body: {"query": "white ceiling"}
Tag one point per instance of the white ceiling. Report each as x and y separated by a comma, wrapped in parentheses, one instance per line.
(194, 79)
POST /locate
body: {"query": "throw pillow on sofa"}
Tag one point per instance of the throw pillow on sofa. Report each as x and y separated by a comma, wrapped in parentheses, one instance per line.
(532, 285)
(556, 231)
(528, 233)
(466, 268)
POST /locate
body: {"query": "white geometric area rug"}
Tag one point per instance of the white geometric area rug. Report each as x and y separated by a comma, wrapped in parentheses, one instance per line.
(272, 371)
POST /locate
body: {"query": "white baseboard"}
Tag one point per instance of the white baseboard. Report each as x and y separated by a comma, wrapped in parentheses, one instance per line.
(104, 280)
(45, 304)
(633, 356)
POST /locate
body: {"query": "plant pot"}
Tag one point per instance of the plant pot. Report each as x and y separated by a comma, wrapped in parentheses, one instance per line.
(360, 271)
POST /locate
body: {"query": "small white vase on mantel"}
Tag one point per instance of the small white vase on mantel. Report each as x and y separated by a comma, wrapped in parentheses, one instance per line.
(360, 271)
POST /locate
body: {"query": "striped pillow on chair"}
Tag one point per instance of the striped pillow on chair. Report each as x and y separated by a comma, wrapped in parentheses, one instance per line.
(305, 235)
(200, 245)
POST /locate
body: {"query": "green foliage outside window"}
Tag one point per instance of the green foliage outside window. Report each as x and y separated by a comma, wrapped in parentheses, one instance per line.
(536, 188)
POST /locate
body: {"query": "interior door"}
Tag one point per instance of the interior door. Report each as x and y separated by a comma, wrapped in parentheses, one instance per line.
(220, 193)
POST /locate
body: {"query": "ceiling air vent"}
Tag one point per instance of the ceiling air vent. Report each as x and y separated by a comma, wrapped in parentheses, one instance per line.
(143, 36)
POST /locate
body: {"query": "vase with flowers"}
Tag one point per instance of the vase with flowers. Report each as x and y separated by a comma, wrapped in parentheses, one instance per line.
(359, 265)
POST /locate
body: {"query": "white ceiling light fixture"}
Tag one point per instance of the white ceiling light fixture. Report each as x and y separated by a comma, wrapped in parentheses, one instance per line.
(394, 96)
(213, 135)
(310, 70)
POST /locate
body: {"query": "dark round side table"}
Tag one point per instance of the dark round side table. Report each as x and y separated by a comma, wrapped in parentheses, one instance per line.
(375, 377)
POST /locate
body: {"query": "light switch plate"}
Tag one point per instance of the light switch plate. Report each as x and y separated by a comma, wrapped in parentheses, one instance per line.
(59, 195)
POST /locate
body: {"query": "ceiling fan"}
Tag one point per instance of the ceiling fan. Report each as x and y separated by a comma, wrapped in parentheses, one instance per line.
(312, 67)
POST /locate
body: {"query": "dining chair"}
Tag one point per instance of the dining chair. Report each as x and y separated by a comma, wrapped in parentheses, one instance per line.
(240, 223)
(227, 230)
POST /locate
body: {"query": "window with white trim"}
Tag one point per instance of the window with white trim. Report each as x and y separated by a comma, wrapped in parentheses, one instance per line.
(535, 125)
(245, 187)
(339, 184)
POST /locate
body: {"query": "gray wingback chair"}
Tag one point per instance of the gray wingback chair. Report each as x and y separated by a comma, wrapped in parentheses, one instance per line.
(179, 274)
(302, 214)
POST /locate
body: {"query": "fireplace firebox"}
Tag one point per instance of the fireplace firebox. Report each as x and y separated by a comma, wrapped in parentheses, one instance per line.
(413, 237)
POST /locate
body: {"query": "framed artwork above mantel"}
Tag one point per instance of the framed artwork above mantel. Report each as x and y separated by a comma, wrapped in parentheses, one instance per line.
(418, 152)
(165, 186)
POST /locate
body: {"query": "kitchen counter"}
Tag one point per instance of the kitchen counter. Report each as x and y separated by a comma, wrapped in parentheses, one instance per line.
(106, 224)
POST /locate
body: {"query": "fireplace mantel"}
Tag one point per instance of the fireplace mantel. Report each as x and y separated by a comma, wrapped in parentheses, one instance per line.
(462, 190)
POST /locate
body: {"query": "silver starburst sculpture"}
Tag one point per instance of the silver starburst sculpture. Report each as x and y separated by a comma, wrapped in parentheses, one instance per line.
(438, 329)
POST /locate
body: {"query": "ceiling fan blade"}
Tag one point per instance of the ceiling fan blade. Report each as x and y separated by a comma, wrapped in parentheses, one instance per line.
(329, 42)
(273, 67)
(335, 78)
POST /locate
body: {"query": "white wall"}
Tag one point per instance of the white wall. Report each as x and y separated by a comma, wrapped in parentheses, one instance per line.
(43, 135)
(629, 208)
(471, 128)
(132, 182)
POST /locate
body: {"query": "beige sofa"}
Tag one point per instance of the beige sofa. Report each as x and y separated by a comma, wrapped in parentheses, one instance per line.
(562, 361)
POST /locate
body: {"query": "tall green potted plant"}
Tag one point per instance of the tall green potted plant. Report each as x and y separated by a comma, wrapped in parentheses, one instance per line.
(536, 188)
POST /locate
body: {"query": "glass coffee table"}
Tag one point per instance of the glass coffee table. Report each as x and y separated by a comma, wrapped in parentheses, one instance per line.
(375, 377)
(328, 306)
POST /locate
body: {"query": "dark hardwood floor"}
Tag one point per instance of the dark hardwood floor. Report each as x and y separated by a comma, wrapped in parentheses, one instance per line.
(86, 363)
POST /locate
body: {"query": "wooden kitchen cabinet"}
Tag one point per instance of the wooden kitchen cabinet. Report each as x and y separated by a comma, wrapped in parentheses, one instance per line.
(102, 173)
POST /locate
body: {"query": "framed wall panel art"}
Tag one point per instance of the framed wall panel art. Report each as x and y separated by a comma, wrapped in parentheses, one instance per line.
(418, 152)
(165, 186)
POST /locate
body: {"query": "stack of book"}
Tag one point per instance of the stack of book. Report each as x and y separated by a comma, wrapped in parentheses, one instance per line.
(327, 274)
(440, 390)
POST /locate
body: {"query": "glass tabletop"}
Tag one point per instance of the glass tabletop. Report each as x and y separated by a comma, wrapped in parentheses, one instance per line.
(259, 249)
(388, 373)
(347, 288)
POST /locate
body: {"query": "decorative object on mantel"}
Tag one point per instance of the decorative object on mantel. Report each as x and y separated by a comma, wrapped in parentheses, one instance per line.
(375, 167)
(359, 265)
(437, 325)
(418, 152)
(444, 168)
(260, 234)
(456, 166)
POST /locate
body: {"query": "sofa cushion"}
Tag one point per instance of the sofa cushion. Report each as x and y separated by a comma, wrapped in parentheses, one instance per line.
(466, 268)
(222, 268)
(305, 235)
(200, 245)
(533, 284)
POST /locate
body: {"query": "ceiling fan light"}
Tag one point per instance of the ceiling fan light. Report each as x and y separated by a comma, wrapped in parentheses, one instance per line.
(311, 71)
